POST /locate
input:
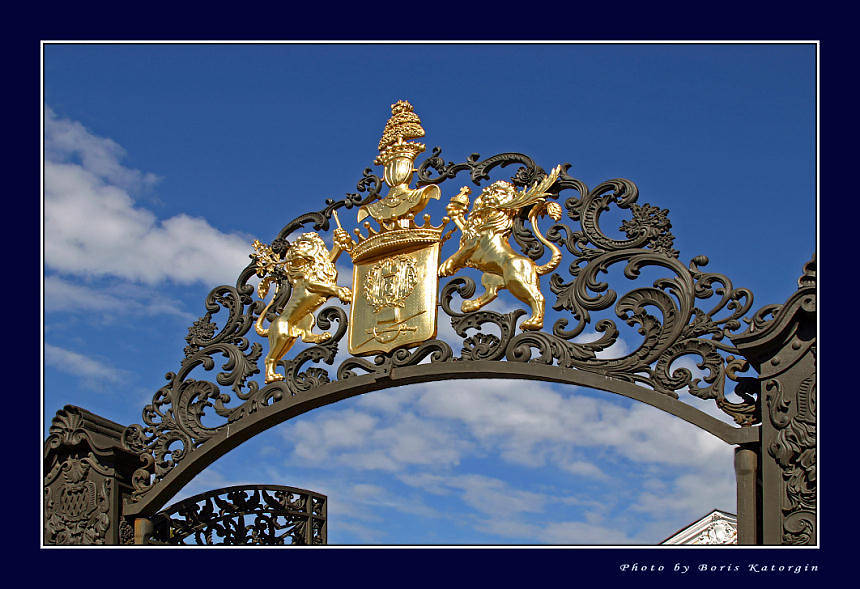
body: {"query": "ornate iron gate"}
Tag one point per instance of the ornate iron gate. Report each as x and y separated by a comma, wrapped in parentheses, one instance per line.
(116, 478)
(261, 515)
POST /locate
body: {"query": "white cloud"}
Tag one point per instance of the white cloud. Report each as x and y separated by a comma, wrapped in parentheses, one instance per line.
(686, 494)
(510, 512)
(586, 469)
(94, 373)
(487, 495)
(118, 298)
(389, 401)
(495, 497)
(94, 228)
(350, 429)
(67, 140)
(361, 441)
(574, 532)
(359, 510)
(533, 423)
(364, 533)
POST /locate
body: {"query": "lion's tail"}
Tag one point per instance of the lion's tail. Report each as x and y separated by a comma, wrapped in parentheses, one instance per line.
(263, 290)
(554, 211)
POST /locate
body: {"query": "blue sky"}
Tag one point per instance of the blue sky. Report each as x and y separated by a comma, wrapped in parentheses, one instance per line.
(164, 162)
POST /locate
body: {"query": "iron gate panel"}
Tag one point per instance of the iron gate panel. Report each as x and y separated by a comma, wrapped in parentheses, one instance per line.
(257, 515)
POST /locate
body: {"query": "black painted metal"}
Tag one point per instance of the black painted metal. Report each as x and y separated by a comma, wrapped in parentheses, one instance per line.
(256, 515)
(782, 346)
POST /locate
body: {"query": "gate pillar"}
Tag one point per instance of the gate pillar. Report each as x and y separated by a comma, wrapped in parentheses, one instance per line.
(749, 489)
(87, 475)
(781, 345)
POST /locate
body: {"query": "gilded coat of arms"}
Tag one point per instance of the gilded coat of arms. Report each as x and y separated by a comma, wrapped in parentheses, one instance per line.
(395, 274)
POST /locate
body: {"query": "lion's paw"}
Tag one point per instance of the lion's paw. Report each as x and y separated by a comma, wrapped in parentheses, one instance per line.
(532, 324)
(469, 306)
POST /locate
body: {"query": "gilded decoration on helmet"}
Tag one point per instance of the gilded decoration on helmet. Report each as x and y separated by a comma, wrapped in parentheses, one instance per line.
(484, 243)
(309, 269)
(398, 157)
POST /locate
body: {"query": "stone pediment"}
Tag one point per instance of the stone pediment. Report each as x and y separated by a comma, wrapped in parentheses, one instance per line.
(718, 527)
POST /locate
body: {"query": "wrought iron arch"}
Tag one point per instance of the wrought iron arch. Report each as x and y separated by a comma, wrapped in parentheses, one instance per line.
(685, 312)
(264, 418)
(174, 443)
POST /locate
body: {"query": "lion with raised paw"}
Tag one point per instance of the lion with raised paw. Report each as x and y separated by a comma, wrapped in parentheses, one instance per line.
(484, 244)
(311, 272)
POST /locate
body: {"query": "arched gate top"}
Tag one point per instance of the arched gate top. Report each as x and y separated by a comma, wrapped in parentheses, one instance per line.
(233, 435)
(389, 334)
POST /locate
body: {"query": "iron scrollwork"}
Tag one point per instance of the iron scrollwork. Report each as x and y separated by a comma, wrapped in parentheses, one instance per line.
(670, 315)
(782, 340)
(260, 515)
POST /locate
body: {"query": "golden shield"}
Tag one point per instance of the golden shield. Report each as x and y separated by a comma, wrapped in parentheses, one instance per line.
(394, 301)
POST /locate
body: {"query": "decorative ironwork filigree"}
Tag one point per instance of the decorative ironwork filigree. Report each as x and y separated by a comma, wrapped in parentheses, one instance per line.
(684, 313)
(794, 450)
(267, 515)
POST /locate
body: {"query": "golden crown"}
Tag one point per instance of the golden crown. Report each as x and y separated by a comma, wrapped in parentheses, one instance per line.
(394, 236)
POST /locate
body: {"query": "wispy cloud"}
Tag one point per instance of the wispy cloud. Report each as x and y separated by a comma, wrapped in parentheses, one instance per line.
(534, 423)
(361, 441)
(492, 496)
(519, 514)
(94, 373)
(69, 141)
(568, 533)
(689, 492)
(109, 301)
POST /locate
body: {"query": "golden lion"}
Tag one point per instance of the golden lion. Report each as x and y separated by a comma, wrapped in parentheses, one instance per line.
(484, 243)
(313, 277)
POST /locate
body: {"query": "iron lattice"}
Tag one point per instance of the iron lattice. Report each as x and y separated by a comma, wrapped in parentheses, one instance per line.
(258, 515)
